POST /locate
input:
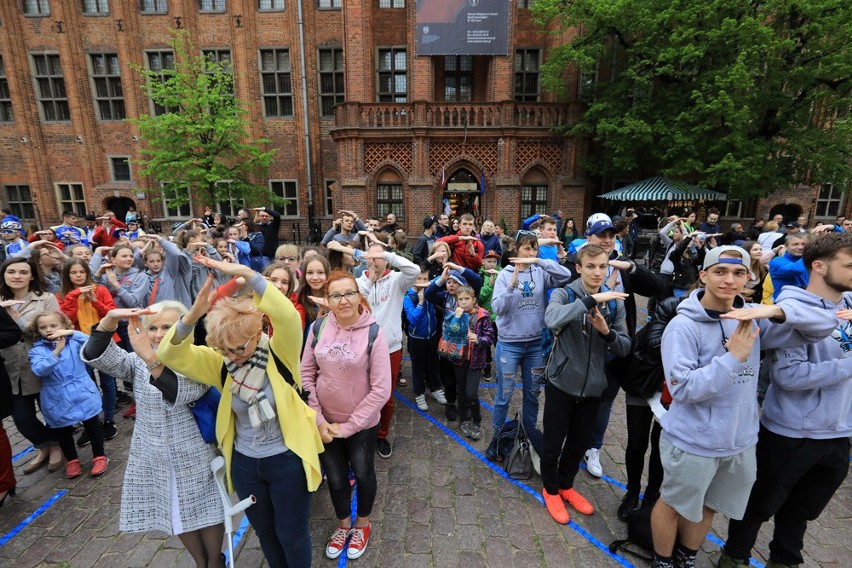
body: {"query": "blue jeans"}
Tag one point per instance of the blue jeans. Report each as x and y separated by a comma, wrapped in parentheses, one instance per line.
(280, 515)
(508, 357)
(601, 421)
(109, 390)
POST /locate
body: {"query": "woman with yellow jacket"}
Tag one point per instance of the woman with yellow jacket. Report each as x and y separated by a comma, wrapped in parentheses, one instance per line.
(267, 434)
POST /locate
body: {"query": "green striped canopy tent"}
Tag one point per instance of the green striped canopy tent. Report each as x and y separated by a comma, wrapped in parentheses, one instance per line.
(662, 189)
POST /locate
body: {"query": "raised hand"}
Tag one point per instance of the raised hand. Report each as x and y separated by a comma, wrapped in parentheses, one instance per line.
(228, 268)
(741, 342)
(604, 297)
(761, 311)
(598, 321)
(205, 296)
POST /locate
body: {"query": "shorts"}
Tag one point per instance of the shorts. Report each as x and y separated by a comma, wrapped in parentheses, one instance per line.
(693, 482)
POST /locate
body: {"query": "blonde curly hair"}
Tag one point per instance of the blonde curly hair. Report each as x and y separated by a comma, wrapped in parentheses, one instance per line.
(232, 321)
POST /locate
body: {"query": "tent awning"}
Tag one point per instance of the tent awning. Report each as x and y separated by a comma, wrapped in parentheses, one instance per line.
(662, 189)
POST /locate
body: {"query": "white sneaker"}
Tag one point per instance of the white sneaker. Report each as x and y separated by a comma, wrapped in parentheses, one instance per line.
(420, 399)
(438, 395)
(593, 462)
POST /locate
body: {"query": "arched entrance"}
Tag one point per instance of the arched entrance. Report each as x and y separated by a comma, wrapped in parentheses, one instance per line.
(791, 211)
(119, 206)
(462, 195)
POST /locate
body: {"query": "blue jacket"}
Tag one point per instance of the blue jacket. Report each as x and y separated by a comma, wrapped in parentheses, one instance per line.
(438, 295)
(788, 270)
(422, 321)
(714, 395)
(68, 395)
(810, 395)
(491, 242)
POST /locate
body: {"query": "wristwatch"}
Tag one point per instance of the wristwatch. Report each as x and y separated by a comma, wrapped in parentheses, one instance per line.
(156, 363)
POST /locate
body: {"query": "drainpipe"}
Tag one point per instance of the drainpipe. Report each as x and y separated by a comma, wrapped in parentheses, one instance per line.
(305, 117)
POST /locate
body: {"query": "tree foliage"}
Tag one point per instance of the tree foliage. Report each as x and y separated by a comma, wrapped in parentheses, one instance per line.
(741, 96)
(200, 149)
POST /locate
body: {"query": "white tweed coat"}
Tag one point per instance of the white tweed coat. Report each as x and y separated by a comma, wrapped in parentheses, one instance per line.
(164, 436)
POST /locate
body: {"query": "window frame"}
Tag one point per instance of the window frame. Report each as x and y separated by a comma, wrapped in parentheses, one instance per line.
(7, 111)
(21, 205)
(328, 198)
(213, 10)
(739, 211)
(57, 103)
(393, 72)
(71, 204)
(280, 97)
(392, 4)
(273, 8)
(332, 4)
(154, 107)
(217, 53)
(822, 210)
(523, 96)
(111, 99)
(533, 204)
(335, 71)
(458, 74)
(155, 10)
(40, 12)
(241, 203)
(285, 210)
(166, 213)
(385, 205)
(101, 8)
(111, 159)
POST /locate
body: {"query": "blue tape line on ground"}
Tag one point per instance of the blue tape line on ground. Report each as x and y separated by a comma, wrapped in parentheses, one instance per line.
(524, 487)
(238, 536)
(341, 563)
(18, 456)
(494, 385)
(56, 497)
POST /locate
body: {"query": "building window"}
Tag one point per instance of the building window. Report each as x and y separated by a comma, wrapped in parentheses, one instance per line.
(270, 5)
(286, 189)
(391, 3)
(389, 199)
(533, 199)
(6, 114)
(829, 201)
(36, 8)
(168, 196)
(330, 80)
(458, 78)
(276, 81)
(328, 201)
(733, 208)
(155, 6)
(526, 4)
(393, 78)
(71, 198)
(222, 59)
(231, 204)
(96, 7)
(120, 168)
(526, 75)
(20, 201)
(329, 4)
(106, 83)
(211, 5)
(50, 88)
(163, 64)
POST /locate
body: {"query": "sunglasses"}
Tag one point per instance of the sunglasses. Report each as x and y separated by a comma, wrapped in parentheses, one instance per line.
(522, 232)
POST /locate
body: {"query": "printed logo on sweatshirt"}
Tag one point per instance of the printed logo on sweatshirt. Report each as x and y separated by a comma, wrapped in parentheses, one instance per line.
(527, 288)
(341, 354)
(842, 336)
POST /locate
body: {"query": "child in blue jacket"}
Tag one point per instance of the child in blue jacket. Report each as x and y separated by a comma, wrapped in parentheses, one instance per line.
(68, 395)
(423, 335)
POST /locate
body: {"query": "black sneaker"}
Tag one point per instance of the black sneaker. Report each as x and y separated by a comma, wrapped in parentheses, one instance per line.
(384, 448)
(83, 440)
(110, 431)
(451, 412)
(628, 503)
(123, 399)
(486, 373)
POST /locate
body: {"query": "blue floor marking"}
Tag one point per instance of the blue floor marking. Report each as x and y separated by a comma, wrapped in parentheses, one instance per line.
(56, 497)
(344, 557)
(18, 456)
(238, 536)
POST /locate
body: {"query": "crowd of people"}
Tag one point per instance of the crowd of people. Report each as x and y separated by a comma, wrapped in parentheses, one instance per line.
(304, 348)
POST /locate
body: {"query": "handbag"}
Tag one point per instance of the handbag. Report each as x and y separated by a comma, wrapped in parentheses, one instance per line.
(519, 463)
(455, 350)
(204, 411)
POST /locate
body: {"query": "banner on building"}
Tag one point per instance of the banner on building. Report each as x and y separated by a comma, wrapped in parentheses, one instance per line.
(462, 27)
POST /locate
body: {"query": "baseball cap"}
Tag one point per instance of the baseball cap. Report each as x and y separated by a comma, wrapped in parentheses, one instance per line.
(792, 225)
(428, 222)
(457, 276)
(492, 254)
(600, 226)
(712, 257)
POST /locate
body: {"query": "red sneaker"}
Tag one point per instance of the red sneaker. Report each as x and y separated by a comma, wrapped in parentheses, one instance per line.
(73, 469)
(336, 542)
(555, 507)
(580, 503)
(99, 465)
(358, 539)
(130, 412)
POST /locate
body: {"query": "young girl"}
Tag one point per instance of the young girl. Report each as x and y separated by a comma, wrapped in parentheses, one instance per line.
(85, 303)
(283, 278)
(68, 395)
(240, 249)
(315, 271)
(470, 323)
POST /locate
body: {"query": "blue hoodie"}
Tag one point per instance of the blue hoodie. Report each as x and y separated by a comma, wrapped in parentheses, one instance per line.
(714, 395)
(811, 391)
(788, 270)
(422, 321)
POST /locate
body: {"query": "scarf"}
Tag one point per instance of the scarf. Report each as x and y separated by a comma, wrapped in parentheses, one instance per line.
(249, 379)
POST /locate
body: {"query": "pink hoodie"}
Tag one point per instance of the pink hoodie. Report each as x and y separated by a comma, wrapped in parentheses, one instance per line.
(335, 374)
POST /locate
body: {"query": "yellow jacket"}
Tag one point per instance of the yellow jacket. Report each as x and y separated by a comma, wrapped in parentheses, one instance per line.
(297, 419)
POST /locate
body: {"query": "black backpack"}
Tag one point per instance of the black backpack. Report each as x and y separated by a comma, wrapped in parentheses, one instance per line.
(638, 533)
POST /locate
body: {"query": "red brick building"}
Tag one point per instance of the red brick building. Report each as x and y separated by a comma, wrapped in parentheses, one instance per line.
(400, 122)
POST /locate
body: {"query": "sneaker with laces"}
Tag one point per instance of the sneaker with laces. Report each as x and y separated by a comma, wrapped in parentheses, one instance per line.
(110, 431)
(130, 412)
(465, 428)
(439, 396)
(336, 542)
(420, 399)
(629, 502)
(593, 462)
(359, 537)
(384, 448)
(486, 373)
(123, 399)
(476, 432)
(73, 469)
(83, 440)
(555, 507)
(580, 503)
(99, 465)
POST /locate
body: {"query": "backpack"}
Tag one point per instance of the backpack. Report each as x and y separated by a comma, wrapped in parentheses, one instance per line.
(519, 463)
(638, 533)
(548, 336)
(319, 323)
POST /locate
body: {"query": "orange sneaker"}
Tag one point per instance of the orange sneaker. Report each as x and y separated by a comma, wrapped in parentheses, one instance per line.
(99, 465)
(580, 503)
(555, 507)
(73, 469)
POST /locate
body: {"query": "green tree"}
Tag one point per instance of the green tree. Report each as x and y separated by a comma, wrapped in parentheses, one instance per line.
(743, 97)
(198, 146)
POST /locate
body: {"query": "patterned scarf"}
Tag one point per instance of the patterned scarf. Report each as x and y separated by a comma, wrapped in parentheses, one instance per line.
(249, 380)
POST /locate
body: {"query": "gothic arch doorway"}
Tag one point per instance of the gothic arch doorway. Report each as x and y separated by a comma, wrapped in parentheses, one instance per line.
(791, 211)
(462, 195)
(119, 206)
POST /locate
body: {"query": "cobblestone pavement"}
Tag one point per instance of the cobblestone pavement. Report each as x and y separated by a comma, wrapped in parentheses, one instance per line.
(438, 505)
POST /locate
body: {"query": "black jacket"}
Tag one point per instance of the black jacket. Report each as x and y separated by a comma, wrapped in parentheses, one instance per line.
(10, 334)
(270, 233)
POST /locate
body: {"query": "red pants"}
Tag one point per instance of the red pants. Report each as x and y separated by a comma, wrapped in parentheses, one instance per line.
(387, 409)
(7, 474)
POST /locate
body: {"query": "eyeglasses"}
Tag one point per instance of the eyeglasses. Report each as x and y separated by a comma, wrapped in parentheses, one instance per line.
(236, 350)
(286, 259)
(522, 232)
(350, 295)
